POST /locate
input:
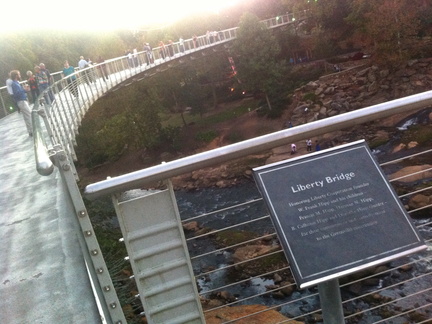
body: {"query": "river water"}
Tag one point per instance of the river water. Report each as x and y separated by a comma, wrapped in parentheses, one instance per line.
(206, 201)
(302, 301)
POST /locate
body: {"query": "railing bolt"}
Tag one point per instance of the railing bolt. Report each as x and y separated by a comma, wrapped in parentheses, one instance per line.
(107, 288)
(113, 305)
(119, 322)
(87, 233)
(66, 167)
(94, 252)
(82, 213)
(100, 270)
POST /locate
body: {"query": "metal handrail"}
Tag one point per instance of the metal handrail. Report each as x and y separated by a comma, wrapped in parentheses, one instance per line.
(44, 165)
(190, 44)
(171, 169)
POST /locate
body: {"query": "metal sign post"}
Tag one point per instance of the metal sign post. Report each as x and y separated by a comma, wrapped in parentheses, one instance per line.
(331, 302)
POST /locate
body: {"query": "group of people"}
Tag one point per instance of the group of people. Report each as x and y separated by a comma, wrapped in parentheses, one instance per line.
(40, 80)
(213, 36)
(308, 146)
(37, 83)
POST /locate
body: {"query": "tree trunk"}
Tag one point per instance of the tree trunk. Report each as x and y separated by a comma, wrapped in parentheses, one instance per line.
(177, 108)
(182, 116)
(268, 101)
(215, 99)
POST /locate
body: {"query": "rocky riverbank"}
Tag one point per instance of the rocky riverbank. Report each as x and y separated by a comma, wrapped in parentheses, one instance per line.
(351, 89)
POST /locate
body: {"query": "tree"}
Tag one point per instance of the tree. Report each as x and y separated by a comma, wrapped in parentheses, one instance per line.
(179, 88)
(143, 107)
(256, 56)
(213, 70)
(388, 25)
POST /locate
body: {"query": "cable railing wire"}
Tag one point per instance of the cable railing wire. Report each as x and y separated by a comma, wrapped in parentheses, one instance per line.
(230, 227)
(405, 313)
(232, 246)
(389, 302)
(222, 210)
(405, 157)
(244, 281)
(415, 192)
(411, 174)
(267, 292)
(237, 264)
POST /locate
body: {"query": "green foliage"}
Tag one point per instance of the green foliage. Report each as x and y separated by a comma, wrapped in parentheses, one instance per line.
(206, 136)
(256, 50)
(225, 115)
(310, 96)
(114, 134)
(389, 26)
(90, 146)
(324, 46)
(106, 143)
(235, 137)
(170, 135)
(422, 134)
(144, 108)
(124, 119)
(278, 107)
(24, 50)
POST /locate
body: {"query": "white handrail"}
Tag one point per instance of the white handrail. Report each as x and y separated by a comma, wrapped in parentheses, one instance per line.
(174, 168)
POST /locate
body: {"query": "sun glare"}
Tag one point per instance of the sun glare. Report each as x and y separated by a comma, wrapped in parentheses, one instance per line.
(104, 15)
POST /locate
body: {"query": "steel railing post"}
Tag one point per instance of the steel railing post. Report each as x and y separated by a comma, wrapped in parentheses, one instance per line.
(92, 253)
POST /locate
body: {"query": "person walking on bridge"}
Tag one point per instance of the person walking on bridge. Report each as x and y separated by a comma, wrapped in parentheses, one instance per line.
(10, 91)
(20, 97)
(43, 83)
(68, 71)
(31, 81)
(50, 80)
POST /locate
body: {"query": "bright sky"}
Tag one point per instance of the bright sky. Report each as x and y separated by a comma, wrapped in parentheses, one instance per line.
(101, 14)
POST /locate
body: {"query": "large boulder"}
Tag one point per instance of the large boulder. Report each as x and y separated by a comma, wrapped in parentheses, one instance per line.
(413, 173)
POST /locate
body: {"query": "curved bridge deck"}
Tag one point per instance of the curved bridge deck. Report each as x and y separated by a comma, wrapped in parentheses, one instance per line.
(43, 275)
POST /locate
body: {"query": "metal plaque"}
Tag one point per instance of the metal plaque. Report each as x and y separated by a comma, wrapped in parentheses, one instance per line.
(336, 213)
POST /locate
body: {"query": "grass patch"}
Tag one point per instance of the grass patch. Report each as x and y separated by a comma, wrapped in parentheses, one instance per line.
(235, 137)
(225, 115)
(207, 136)
(175, 119)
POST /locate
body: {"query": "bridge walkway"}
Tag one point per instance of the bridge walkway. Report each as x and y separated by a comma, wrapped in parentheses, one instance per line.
(43, 274)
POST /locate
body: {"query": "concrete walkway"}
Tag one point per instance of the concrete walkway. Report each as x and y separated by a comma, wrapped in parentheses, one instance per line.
(43, 275)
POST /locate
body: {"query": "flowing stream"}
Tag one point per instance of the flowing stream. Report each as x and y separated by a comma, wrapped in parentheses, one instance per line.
(208, 200)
